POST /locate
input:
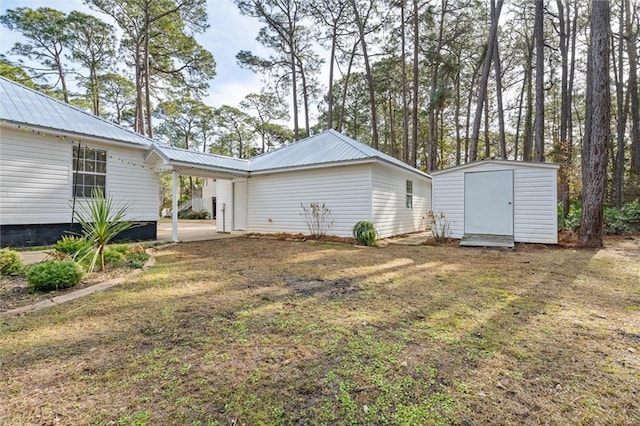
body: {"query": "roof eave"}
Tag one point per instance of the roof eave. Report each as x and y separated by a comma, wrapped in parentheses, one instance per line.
(73, 135)
(497, 162)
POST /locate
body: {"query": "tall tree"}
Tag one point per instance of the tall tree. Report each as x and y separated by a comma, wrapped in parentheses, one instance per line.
(234, 128)
(118, 93)
(285, 34)
(597, 130)
(266, 108)
(484, 79)
(44, 29)
(333, 18)
(631, 35)
(368, 73)
(539, 122)
(92, 43)
(158, 38)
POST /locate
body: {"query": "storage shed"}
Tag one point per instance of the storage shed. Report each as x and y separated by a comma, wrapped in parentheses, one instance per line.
(498, 202)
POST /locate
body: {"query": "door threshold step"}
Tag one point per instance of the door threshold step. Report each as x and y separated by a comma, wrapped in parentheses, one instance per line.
(487, 240)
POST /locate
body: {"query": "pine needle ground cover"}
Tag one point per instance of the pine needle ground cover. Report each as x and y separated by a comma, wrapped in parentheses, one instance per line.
(256, 331)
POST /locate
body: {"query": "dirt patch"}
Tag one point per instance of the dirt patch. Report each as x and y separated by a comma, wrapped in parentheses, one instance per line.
(321, 287)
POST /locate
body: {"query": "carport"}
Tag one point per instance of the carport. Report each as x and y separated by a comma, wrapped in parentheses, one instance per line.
(182, 162)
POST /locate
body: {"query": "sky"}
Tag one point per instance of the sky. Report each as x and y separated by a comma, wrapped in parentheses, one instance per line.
(229, 32)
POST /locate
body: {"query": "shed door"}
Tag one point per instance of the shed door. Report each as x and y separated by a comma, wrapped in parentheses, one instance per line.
(488, 202)
(240, 206)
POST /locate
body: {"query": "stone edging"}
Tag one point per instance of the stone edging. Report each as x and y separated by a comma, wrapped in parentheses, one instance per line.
(78, 293)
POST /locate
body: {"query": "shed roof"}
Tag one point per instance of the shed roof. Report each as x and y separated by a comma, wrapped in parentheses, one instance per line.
(22, 106)
(327, 148)
(510, 163)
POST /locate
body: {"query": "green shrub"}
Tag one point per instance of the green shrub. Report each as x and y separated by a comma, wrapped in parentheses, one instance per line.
(53, 275)
(622, 221)
(113, 257)
(10, 262)
(193, 214)
(122, 249)
(570, 222)
(365, 233)
(137, 256)
(72, 246)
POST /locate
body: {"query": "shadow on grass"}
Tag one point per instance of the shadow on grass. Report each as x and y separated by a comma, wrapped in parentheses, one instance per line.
(246, 334)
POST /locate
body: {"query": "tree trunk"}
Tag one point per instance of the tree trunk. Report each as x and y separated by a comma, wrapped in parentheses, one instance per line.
(147, 70)
(539, 122)
(598, 108)
(621, 114)
(294, 91)
(631, 36)
(498, 71)
(332, 60)
(345, 87)
(434, 103)
(484, 79)
(456, 118)
(565, 108)
(414, 106)
(305, 98)
(405, 112)
(372, 93)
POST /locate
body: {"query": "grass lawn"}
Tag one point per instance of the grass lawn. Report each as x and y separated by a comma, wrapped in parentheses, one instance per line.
(248, 331)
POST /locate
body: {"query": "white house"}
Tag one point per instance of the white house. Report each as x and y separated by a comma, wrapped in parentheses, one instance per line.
(516, 200)
(51, 151)
(265, 194)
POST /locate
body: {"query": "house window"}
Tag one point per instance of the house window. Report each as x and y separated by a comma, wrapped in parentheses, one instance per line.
(89, 171)
(409, 194)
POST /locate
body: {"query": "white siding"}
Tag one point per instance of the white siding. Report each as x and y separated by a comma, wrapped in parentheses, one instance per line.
(208, 193)
(224, 218)
(36, 178)
(535, 217)
(448, 199)
(390, 213)
(274, 199)
(535, 200)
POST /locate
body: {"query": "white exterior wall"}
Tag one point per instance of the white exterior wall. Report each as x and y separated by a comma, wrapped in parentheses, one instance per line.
(36, 176)
(224, 218)
(390, 213)
(274, 199)
(534, 203)
(208, 192)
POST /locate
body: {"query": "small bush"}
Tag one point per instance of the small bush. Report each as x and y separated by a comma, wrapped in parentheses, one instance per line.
(365, 233)
(137, 256)
(622, 221)
(10, 262)
(440, 226)
(193, 214)
(317, 217)
(113, 257)
(53, 275)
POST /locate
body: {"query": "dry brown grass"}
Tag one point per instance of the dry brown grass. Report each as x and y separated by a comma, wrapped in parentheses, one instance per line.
(252, 331)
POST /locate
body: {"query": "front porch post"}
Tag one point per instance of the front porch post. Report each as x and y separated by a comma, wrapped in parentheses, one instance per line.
(174, 209)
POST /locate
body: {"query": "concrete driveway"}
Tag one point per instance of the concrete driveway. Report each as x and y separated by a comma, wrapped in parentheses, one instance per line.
(190, 230)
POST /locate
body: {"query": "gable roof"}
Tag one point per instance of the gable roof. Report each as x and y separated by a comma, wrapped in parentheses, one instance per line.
(201, 160)
(24, 107)
(509, 163)
(327, 148)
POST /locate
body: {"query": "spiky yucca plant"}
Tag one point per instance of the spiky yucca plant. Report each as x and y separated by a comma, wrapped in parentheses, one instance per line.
(101, 223)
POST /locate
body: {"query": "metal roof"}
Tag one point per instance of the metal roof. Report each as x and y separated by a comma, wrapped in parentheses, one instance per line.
(326, 148)
(173, 155)
(22, 106)
(499, 162)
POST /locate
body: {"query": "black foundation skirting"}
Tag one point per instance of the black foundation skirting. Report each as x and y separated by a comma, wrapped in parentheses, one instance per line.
(48, 233)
